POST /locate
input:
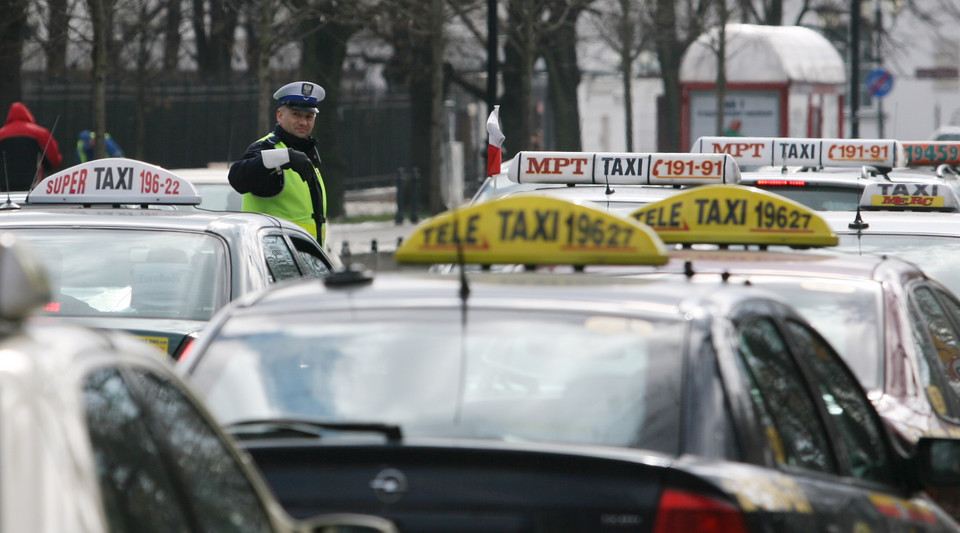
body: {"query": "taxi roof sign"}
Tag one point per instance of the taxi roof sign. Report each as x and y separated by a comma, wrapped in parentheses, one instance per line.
(623, 168)
(909, 196)
(724, 214)
(932, 153)
(790, 151)
(114, 180)
(531, 230)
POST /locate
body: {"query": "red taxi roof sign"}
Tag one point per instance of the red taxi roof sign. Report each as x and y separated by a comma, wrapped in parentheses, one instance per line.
(909, 196)
(724, 214)
(789, 151)
(623, 168)
(932, 153)
(114, 180)
(528, 229)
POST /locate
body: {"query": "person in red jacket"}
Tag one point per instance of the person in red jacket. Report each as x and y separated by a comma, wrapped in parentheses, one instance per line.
(27, 150)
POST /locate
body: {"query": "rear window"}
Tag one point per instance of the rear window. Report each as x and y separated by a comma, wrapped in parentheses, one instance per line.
(549, 376)
(820, 198)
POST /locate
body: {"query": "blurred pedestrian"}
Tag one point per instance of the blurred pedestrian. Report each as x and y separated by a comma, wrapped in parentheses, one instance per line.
(280, 173)
(86, 142)
(27, 150)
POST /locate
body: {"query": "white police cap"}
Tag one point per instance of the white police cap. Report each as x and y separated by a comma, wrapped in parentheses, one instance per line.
(301, 95)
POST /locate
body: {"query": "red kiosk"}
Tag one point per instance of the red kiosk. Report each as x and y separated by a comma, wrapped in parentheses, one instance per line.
(782, 81)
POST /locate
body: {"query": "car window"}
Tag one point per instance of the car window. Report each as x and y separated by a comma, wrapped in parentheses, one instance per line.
(847, 312)
(311, 256)
(938, 343)
(861, 447)
(138, 491)
(778, 390)
(280, 259)
(216, 485)
(152, 274)
(161, 466)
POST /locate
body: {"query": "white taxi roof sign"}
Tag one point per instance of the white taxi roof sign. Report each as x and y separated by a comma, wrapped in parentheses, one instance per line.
(796, 151)
(909, 196)
(623, 168)
(531, 230)
(114, 180)
(724, 214)
(932, 153)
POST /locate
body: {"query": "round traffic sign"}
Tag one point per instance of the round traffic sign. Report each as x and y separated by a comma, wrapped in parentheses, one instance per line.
(879, 82)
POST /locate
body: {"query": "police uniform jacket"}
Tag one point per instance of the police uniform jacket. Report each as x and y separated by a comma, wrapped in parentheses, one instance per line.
(278, 192)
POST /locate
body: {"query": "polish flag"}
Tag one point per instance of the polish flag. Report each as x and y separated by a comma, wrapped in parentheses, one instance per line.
(495, 141)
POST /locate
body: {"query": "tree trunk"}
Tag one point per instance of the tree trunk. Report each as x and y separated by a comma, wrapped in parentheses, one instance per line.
(98, 11)
(560, 56)
(436, 45)
(323, 55)
(669, 52)
(12, 34)
(171, 32)
(56, 48)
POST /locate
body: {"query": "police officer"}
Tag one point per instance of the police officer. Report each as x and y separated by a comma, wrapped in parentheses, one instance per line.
(280, 173)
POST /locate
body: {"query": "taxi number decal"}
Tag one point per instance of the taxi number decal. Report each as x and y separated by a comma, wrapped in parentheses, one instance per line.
(853, 152)
(930, 152)
(153, 184)
(770, 215)
(679, 168)
(160, 342)
(585, 230)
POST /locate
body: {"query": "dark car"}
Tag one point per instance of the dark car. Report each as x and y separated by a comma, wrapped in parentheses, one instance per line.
(124, 256)
(530, 401)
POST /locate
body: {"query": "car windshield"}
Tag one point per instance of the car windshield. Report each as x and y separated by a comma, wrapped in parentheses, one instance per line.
(152, 274)
(848, 313)
(548, 376)
(937, 255)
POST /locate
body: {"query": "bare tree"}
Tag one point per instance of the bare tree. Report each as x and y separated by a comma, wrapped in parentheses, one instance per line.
(628, 41)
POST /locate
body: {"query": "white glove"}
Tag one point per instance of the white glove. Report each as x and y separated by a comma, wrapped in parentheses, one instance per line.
(275, 158)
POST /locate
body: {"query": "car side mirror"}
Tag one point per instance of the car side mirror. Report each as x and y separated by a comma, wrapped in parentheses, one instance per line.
(938, 462)
(24, 285)
(348, 523)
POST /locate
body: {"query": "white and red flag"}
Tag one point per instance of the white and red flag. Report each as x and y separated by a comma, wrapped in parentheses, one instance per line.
(495, 141)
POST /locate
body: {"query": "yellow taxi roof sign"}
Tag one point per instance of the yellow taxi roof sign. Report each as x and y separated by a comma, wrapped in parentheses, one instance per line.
(735, 214)
(531, 230)
(797, 151)
(932, 153)
(623, 168)
(114, 180)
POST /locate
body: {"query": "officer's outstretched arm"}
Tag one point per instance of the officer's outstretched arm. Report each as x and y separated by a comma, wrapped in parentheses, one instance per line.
(252, 175)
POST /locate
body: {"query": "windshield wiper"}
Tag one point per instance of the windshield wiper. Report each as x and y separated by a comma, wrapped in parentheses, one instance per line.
(313, 428)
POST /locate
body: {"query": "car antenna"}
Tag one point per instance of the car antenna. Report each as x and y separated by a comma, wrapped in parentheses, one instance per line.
(606, 178)
(9, 204)
(43, 154)
(464, 295)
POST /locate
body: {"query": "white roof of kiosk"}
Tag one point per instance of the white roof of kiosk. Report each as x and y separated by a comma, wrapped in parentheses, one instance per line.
(765, 54)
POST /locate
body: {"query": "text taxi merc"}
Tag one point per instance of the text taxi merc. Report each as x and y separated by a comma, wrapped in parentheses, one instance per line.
(110, 177)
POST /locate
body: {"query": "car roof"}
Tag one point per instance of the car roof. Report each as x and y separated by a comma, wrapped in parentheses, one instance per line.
(120, 217)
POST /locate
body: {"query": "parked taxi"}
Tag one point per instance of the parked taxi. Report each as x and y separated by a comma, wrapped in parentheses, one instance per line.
(618, 182)
(897, 327)
(538, 401)
(123, 256)
(824, 174)
(98, 433)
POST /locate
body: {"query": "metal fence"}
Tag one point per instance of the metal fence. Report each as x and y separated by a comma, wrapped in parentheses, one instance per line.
(190, 125)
